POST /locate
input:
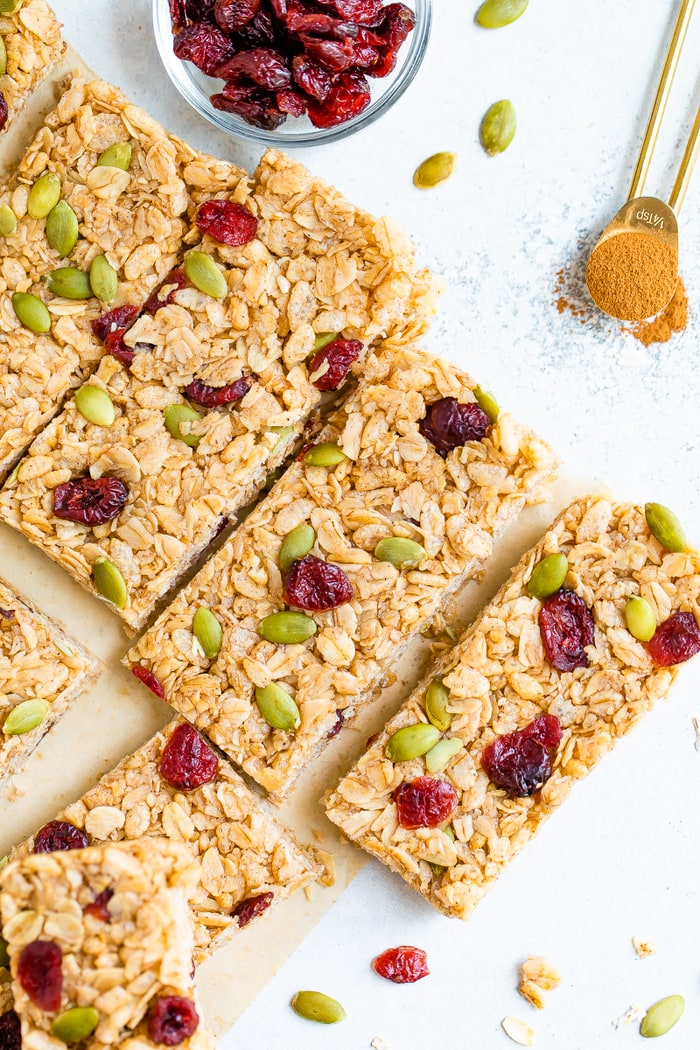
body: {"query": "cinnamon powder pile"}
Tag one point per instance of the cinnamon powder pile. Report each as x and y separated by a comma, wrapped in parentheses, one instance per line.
(632, 275)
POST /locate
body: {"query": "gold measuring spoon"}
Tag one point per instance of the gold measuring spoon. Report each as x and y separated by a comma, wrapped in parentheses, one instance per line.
(636, 277)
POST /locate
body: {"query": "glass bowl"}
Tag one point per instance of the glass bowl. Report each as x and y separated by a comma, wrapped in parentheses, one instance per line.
(196, 88)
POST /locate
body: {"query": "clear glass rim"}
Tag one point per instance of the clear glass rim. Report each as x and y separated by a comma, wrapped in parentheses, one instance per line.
(231, 125)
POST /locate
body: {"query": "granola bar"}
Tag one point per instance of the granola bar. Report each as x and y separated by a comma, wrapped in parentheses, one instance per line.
(108, 932)
(38, 662)
(33, 42)
(391, 483)
(248, 860)
(499, 680)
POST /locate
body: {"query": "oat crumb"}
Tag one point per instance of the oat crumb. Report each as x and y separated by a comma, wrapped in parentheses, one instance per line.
(643, 948)
(536, 977)
(379, 1044)
(632, 1014)
(696, 724)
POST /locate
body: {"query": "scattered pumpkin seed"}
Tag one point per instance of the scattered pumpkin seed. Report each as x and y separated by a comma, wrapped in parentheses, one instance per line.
(287, 628)
(665, 527)
(8, 7)
(109, 582)
(284, 435)
(116, 156)
(62, 229)
(640, 618)
(327, 454)
(25, 717)
(44, 195)
(411, 742)
(440, 756)
(498, 127)
(277, 707)
(8, 220)
(95, 405)
(31, 312)
(434, 170)
(662, 1016)
(295, 545)
(548, 576)
(494, 14)
(487, 403)
(401, 552)
(4, 957)
(437, 697)
(519, 1031)
(205, 275)
(324, 339)
(315, 1006)
(208, 632)
(3, 57)
(174, 415)
(72, 1026)
(70, 283)
(103, 279)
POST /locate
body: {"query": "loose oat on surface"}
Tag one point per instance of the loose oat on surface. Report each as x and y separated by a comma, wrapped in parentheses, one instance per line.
(537, 976)
(500, 680)
(643, 948)
(34, 45)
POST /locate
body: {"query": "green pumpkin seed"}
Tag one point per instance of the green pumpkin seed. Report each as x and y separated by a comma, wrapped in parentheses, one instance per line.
(440, 756)
(44, 195)
(548, 576)
(174, 415)
(498, 127)
(296, 545)
(411, 742)
(208, 632)
(13, 478)
(402, 553)
(103, 279)
(665, 527)
(323, 339)
(487, 403)
(287, 628)
(8, 7)
(315, 1006)
(95, 405)
(662, 1016)
(494, 14)
(8, 220)
(4, 957)
(640, 619)
(63, 648)
(109, 582)
(434, 170)
(205, 275)
(4, 861)
(284, 435)
(328, 454)
(277, 707)
(70, 283)
(437, 697)
(3, 57)
(116, 156)
(31, 312)
(25, 717)
(72, 1026)
(62, 229)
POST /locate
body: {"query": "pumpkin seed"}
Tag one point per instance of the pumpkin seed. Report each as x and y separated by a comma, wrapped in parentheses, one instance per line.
(8, 220)
(437, 697)
(434, 170)
(284, 434)
(204, 274)
(402, 553)
(411, 742)
(494, 14)
(323, 339)
(327, 454)
(13, 478)
(44, 195)
(62, 229)
(487, 403)
(296, 545)
(315, 1006)
(103, 279)
(4, 957)
(207, 630)
(277, 707)
(70, 283)
(72, 1026)
(8, 7)
(174, 415)
(31, 312)
(109, 582)
(662, 1016)
(640, 618)
(498, 127)
(4, 861)
(665, 527)
(287, 628)
(25, 717)
(63, 648)
(440, 756)
(116, 156)
(548, 576)
(95, 405)
(3, 57)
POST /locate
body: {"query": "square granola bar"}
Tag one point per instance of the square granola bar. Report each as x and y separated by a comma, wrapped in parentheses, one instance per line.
(34, 45)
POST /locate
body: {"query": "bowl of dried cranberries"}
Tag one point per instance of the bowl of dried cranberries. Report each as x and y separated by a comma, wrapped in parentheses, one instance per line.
(291, 72)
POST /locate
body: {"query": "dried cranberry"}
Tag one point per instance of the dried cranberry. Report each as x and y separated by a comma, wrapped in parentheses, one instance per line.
(521, 762)
(227, 222)
(4, 111)
(449, 423)
(334, 55)
(116, 347)
(145, 675)
(251, 907)
(300, 20)
(172, 1020)
(546, 730)
(256, 107)
(59, 835)
(397, 22)
(187, 761)
(366, 12)
(264, 66)
(39, 972)
(316, 585)
(291, 102)
(566, 626)
(113, 321)
(675, 640)
(231, 15)
(204, 45)
(337, 725)
(425, 802)
(311, 78)
(178, 17)
(7, 614)
(90, 501)
(98, 908)
(402, 965)
(10, 1031)
(174, 282)
(215, 396)
(348, 98)
(338, 356)
(259, 32)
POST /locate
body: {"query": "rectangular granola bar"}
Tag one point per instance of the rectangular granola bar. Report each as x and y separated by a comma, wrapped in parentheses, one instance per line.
(33, 42)
(248, 859)
(40, 663)
(500, 680)
(115, 919)
(391, 483)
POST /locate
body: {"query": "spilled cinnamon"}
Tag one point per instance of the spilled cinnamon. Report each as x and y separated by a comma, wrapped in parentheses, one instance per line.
(673, 319)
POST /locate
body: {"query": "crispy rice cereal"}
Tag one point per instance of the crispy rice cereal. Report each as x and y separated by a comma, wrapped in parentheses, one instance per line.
(34, 45)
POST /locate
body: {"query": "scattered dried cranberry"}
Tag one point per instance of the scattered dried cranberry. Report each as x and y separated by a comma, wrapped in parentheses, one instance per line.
(10, 1031)
(204, 45)
(4, 111)
(149, 679)
(39, 972)
(425, 802)
(98, 908)
(172, 1020)
(348, 97)
(59, 835)
(566, 626)
(337, 725)
(402, 965)
(227, 222)
(449, 423)
(338, 356)
(675, 640)
(215, 396)
(187, 762)
(251, 907)
(113, 321)
(174, 282)
(232, 15)
(90, 501)
(316, 585)
(521, 762)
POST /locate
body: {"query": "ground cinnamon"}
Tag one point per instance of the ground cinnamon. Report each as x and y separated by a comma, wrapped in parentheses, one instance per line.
(673, 319)
(632, 275)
